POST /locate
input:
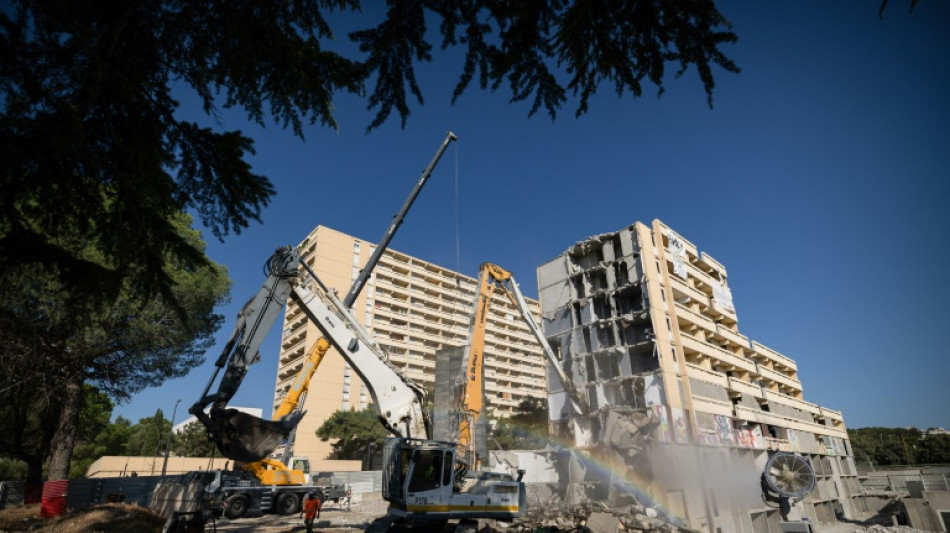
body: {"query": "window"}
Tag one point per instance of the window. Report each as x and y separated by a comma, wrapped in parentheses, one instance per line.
(426, 470)
(447, 469)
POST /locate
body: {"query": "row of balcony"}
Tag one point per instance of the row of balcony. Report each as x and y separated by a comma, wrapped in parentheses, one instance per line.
(703, 297)
(733, 360)
(736, 385)
(776, 357)
(492, 340)
(429, 279)
(778, 377)
(428, 269)
(765, 417)
(724, 356)
(495, 357)
(394, 305)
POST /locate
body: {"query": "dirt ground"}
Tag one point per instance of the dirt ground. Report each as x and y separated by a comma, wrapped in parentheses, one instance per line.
(107, 518)
(115, 518)
(367, 515)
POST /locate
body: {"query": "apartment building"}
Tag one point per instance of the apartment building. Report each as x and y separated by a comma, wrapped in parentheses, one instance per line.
(644, 322)
(413, 308)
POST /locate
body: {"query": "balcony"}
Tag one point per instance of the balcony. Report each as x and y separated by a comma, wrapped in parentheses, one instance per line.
(695, 318)
(783, 399)
(774, 419)
(706, 260)
(693, 293)
(712, 406)
(736, 338)
(831, 413)
(778, 377)
(775, 356)
(778, 445)
(717, 353)
(745, 388)
(699, 275)
(700, 373)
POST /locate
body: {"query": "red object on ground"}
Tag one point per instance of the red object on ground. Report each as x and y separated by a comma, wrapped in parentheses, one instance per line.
(54, 498)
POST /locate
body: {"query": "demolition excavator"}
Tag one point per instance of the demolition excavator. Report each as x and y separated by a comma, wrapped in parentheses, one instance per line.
(410, 482)
(249, 439)
(470, 386)
(492, 276)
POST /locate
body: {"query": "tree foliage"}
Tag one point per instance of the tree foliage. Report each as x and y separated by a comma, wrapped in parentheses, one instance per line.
(149, 435)
(140, 340)
(880, 446)
(526, 429)
(90, 143)
(356, 433)
(192, 441)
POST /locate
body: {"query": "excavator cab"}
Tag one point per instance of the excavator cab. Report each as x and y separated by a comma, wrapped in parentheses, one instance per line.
(425, 483)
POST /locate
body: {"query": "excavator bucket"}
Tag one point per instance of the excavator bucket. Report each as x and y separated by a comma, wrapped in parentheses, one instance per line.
(246, 438)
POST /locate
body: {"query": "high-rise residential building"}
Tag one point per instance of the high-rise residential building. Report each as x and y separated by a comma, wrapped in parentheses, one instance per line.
(646, 329)
(413, 308)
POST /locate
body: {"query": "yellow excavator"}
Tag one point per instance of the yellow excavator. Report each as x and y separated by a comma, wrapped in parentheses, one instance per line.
(249, 439)
(470, 390)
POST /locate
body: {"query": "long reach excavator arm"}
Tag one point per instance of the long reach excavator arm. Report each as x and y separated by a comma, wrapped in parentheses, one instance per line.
(249, 439)
(471, 385)
(399, 402)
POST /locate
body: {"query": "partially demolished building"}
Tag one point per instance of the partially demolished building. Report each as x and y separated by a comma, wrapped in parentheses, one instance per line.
(685, 409)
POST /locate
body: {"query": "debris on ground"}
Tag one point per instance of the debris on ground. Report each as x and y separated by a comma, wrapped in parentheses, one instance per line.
(106, 518)
(596, 517)
(19, 518)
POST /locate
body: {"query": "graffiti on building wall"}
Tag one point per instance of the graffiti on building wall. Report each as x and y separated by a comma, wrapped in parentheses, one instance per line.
(750, 436)
(680, 432)
(725, 431)
(793, 441)
(663, 429)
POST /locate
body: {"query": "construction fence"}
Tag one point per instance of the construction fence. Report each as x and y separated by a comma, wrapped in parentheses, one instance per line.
(77, 493)
(932, 479)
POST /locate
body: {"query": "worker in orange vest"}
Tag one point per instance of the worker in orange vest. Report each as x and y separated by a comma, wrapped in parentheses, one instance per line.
(311, 510)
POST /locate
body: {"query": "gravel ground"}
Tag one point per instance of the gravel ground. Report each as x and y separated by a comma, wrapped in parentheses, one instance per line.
(366, 515)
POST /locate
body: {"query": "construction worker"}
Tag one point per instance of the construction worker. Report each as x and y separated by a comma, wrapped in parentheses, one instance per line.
(311, 510)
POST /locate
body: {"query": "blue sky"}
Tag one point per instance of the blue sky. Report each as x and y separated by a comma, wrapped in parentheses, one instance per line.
(819, 179)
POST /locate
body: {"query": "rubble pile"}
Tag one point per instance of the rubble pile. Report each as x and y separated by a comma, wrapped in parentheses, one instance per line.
(597, 517)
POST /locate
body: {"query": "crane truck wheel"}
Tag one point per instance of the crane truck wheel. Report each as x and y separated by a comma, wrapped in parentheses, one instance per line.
(288, 503)
(236, 506)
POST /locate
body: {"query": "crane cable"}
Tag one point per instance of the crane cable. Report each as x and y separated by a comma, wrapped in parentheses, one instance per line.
(458, 240)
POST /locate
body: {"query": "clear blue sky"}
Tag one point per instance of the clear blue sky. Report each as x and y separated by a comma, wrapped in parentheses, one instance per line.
(819, 179)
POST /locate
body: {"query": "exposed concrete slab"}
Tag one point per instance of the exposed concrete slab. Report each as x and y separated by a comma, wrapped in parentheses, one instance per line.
(603, 523)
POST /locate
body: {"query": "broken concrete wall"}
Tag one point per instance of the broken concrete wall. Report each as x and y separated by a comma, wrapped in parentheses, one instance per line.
(449, 365)
(595, 316)
(539, 465)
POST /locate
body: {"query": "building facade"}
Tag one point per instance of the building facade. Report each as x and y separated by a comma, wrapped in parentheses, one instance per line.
(413, 308)
(644, 322)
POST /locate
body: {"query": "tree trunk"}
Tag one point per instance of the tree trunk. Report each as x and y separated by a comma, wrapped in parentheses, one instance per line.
(65, 437)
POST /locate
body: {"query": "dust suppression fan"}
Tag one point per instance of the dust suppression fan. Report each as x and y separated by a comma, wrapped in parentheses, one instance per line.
(787, 477)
